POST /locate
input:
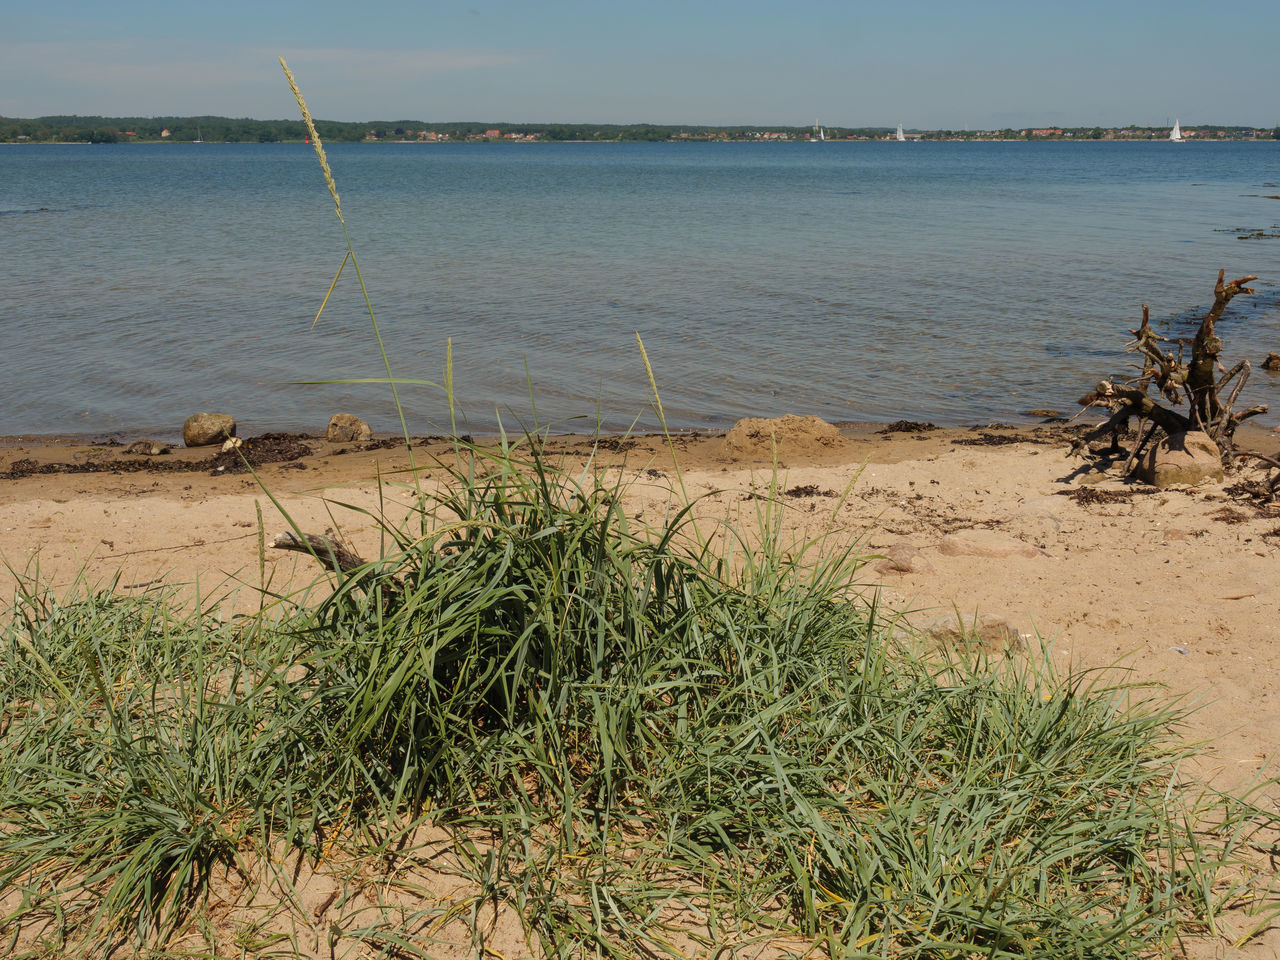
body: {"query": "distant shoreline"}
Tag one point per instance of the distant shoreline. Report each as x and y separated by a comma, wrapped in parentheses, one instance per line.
(209, 129)
(456, 143)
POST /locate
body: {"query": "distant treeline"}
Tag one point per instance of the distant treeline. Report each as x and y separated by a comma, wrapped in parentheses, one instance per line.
(76, 129)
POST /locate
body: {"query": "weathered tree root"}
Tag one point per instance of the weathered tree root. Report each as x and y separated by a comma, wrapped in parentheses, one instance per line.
(1193, 383)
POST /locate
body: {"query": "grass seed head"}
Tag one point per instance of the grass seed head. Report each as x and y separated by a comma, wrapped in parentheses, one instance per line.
(315, 138)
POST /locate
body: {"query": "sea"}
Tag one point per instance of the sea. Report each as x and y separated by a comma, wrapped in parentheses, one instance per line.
(512, 284)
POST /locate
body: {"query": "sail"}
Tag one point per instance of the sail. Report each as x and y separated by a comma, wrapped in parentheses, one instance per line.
(900, 135)
(1176, 134)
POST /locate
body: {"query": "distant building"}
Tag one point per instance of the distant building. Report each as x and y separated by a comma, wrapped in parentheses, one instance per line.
(165, 133)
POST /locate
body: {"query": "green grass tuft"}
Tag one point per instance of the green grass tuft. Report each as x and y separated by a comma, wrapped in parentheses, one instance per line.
(633, 740)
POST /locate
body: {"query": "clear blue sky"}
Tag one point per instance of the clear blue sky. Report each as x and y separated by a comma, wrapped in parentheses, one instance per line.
(925, 63)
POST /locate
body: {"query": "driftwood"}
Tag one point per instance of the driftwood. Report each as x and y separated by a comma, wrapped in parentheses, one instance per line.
(337, 557)
(327, 550)
(1268, 488)
(1193, 382)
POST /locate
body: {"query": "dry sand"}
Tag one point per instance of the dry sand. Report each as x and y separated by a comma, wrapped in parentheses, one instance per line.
(1177, 588)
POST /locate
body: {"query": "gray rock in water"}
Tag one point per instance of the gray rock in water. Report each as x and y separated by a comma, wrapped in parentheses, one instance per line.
(206, 429)
(1183, 458)
(348, 428)
(147, 448)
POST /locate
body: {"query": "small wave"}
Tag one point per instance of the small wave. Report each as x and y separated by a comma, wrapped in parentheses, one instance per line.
(36, 210)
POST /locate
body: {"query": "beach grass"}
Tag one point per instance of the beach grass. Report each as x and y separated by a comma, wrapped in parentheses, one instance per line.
(636, 743)
(537, 714)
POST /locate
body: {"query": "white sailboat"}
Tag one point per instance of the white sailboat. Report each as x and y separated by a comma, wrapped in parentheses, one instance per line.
(819, 135)
(900, 136)
(1176, 133)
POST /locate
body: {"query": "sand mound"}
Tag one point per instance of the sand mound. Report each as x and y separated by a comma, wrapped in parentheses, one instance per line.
(791, 435)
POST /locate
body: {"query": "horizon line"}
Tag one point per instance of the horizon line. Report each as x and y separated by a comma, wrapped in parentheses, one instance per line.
(966, 128)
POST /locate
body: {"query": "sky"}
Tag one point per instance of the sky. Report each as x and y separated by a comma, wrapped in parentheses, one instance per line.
(927, 64)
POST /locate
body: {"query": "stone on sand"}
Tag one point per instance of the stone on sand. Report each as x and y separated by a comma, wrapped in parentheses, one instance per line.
(147, 448)
(986, 543)
(348, 428)
(903, 557)
(206, 429)
(1183, 458)
(992, 634)
(754, 436)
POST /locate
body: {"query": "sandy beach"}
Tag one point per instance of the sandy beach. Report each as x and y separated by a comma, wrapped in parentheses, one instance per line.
(1176, 588)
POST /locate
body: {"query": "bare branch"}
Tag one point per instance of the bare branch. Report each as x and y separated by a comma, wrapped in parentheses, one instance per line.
(1195, 382)
(1243, 415)
(328, 551)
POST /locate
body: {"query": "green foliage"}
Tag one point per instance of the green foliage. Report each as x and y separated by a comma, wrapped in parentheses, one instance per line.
(122, 773)
(646, 132)
(628, 715)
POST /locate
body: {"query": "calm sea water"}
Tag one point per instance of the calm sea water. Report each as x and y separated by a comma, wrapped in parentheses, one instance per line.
(953, 282)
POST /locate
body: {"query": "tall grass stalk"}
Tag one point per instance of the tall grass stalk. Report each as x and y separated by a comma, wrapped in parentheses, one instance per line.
(350, 254)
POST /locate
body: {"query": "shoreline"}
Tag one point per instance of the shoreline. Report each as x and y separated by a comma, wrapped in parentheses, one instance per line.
(173, 436)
